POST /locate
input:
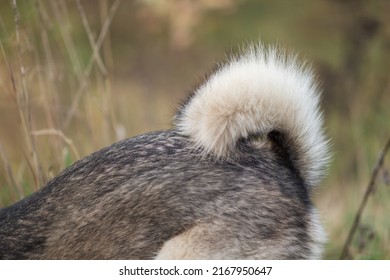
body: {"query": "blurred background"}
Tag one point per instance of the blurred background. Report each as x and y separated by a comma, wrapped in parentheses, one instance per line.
(78, 75)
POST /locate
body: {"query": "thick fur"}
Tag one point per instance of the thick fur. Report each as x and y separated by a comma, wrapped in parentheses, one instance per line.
(260, 92)
(231, 181)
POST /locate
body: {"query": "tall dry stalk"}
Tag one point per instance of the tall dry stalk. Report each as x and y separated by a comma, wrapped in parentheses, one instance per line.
(87, 72)
(369, 190)
(34, 57)
(19, 86)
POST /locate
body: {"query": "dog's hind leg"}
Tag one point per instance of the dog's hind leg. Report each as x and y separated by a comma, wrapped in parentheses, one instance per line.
(199, 242)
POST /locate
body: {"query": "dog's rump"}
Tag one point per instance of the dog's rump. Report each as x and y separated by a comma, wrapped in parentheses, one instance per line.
(232, 180)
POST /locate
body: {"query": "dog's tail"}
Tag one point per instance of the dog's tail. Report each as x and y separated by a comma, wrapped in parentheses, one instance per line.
(262, 92)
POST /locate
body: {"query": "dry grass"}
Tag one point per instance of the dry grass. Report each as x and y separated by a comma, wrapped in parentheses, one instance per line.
(36, 75)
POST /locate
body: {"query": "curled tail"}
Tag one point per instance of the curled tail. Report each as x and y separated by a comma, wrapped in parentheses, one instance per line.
(258, 93)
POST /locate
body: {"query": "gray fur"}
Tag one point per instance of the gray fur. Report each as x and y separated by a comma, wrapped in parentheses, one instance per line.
(125, 201)
(130, 199)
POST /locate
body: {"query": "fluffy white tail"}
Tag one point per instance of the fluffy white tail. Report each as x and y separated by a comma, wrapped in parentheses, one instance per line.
(259, 92)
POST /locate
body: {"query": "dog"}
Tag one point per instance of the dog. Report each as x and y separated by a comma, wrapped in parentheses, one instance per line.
(232, 180)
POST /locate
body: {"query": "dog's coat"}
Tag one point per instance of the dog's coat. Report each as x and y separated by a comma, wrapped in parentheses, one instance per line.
(232, 180)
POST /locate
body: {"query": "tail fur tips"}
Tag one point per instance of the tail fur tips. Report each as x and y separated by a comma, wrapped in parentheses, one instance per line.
(258, 92)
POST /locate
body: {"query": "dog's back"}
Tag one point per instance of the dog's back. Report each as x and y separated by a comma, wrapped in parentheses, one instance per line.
(232, 181)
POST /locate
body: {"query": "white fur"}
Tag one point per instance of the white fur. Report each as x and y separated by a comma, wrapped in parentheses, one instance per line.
(190, 245)
(317, 235)
(256, 93)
